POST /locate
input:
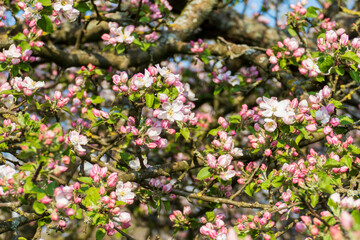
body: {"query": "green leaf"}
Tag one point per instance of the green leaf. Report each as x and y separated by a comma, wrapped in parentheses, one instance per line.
(266, 184)
(120, 48)
(340, 71)
(144, 19)
(344, 120)
(314, 200)
(210, 216)
(205, 59)
(97, 99)
(45, 24)
(3, 66)
(51, 188)
(298, 138)
(354, 149)
(335, 208)
(43, 221)
(311, 12)
(356, 216)
(204, 173)
(92, 197)
(278, 181)
(28, 167)
(347, 161)
(45, 2)
(218, 89)
(24, 66)
(249, 189)
(167, 206)
(351, 56)
(177, 135)
(149, 100)
(336, 103)
(145, 46)
(213, 132)
(331, 163)
(24, 45)
(82, 7)
(354, 75)
(100, 234)
(19, 37)
(283, 63)
(87, 180)
(292, 32)
(235, 119)
(324, 183)
(325, 64)
(185, 132)
(39, 207)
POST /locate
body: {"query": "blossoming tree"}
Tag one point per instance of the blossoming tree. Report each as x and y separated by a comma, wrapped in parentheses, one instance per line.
(161, 119)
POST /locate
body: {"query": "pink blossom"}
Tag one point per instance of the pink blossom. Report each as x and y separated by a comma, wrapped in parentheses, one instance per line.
(270, 125)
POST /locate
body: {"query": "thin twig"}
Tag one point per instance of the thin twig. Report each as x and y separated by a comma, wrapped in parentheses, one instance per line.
(247, 182)
(124, 234)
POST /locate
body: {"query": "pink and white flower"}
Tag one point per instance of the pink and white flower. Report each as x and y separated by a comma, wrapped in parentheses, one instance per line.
(172, 111)
(123, 192)
(77, 140)
(270, 125)
(273, 107)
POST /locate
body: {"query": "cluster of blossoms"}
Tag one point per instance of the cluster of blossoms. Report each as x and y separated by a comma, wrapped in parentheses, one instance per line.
(198, 46)
(14, 56)
(26, 85)
(299, 9)
(118, 34)
(123, 194)
(334, 40)
(172, 103)
(61, 206)
(340, 211)
(179, 218)
(215, 229)
(291, 112)
(224, 143)
(221, 74)
(163, 183)
(204, 116)
(10, 184)
(60, 8)
(247, 224)
(348, 203)
(285, 50)
(9, 126)
(154, 9)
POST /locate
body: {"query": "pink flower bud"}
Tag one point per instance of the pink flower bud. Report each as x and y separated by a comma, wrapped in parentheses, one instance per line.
(311, 127)
(112, 179)
(167, 188)
(54, 216)
(45, 200)
(300, 227)
(335, 122)
(62, 223)
(76, 186)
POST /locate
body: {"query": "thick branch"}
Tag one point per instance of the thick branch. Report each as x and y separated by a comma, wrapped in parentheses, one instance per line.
(220, 200)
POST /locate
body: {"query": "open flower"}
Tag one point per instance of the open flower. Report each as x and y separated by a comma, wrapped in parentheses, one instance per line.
(273, 107)
(77, 140)
(64, 5)
(31, 84)
(270, 125)
(123, 192)
(172, 111)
